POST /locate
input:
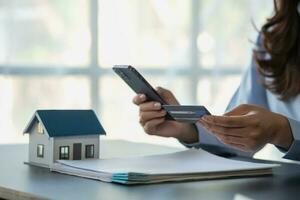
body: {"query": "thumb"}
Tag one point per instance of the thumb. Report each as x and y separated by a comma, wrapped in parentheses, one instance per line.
(167, 95)
(239, 110)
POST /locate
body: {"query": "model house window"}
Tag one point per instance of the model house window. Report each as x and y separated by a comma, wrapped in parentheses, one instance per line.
(40, 128)
(40, 150)
(89, 151)
(64, 153)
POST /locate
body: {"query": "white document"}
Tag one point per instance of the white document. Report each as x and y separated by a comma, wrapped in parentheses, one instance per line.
(184, 165)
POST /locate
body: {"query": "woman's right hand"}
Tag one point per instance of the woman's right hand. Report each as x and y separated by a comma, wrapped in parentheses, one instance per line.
(152, 118)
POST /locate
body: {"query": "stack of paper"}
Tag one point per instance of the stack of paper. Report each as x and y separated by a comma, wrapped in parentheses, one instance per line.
(179, 166)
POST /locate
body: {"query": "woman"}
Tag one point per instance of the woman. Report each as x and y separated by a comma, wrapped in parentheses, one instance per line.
(266, 106)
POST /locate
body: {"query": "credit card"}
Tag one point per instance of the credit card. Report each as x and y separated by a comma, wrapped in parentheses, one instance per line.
(186, 114)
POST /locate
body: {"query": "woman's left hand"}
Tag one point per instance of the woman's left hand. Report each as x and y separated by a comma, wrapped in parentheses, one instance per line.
(249, 128)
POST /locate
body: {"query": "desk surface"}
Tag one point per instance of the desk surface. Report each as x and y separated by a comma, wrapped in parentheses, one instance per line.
(20, 181)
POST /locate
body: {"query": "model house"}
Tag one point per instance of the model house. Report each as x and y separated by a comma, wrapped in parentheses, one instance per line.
(63, 134)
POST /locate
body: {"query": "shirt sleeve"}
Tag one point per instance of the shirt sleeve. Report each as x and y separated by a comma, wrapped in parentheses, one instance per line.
(294, 151)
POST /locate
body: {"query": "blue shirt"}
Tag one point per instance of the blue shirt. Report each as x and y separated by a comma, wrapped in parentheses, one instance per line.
(251, 91)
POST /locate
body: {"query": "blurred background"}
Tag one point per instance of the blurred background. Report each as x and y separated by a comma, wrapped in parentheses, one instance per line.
(58, 54)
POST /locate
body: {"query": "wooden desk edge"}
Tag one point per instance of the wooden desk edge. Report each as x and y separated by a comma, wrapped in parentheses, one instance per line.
(7, 193)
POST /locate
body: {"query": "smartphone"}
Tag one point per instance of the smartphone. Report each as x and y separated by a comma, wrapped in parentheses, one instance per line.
(139, 84)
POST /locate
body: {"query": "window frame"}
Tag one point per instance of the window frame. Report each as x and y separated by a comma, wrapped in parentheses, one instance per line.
(42, 147)
(40, 128)
(64, 156)
(94, 72)
(93, 151)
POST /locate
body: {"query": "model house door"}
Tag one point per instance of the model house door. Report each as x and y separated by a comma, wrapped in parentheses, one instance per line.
(77, 151)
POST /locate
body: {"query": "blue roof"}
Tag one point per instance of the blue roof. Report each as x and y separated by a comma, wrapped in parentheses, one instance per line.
(68, 122)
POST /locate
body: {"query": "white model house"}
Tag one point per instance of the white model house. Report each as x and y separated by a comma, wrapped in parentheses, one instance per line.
(63, 134)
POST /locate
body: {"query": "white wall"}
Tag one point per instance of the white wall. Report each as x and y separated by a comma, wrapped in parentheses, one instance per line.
(70, 140)
(36, 138)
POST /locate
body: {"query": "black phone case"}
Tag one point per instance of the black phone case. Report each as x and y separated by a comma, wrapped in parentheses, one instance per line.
(138, 84)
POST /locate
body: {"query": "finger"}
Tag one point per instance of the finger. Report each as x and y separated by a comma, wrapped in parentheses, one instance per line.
(239, 110)
(151, 126)
(233, 131)
(167, 95)
(236, 142)
(150, 106)
(238, 146)
(232, 139)
(231, 142)
(139, 98)
(228, 121)
(147, 116)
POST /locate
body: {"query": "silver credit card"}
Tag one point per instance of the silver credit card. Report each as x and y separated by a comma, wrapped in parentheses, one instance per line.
(186, 114)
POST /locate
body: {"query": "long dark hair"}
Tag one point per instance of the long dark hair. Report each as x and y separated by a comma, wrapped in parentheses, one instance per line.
(278, 61)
